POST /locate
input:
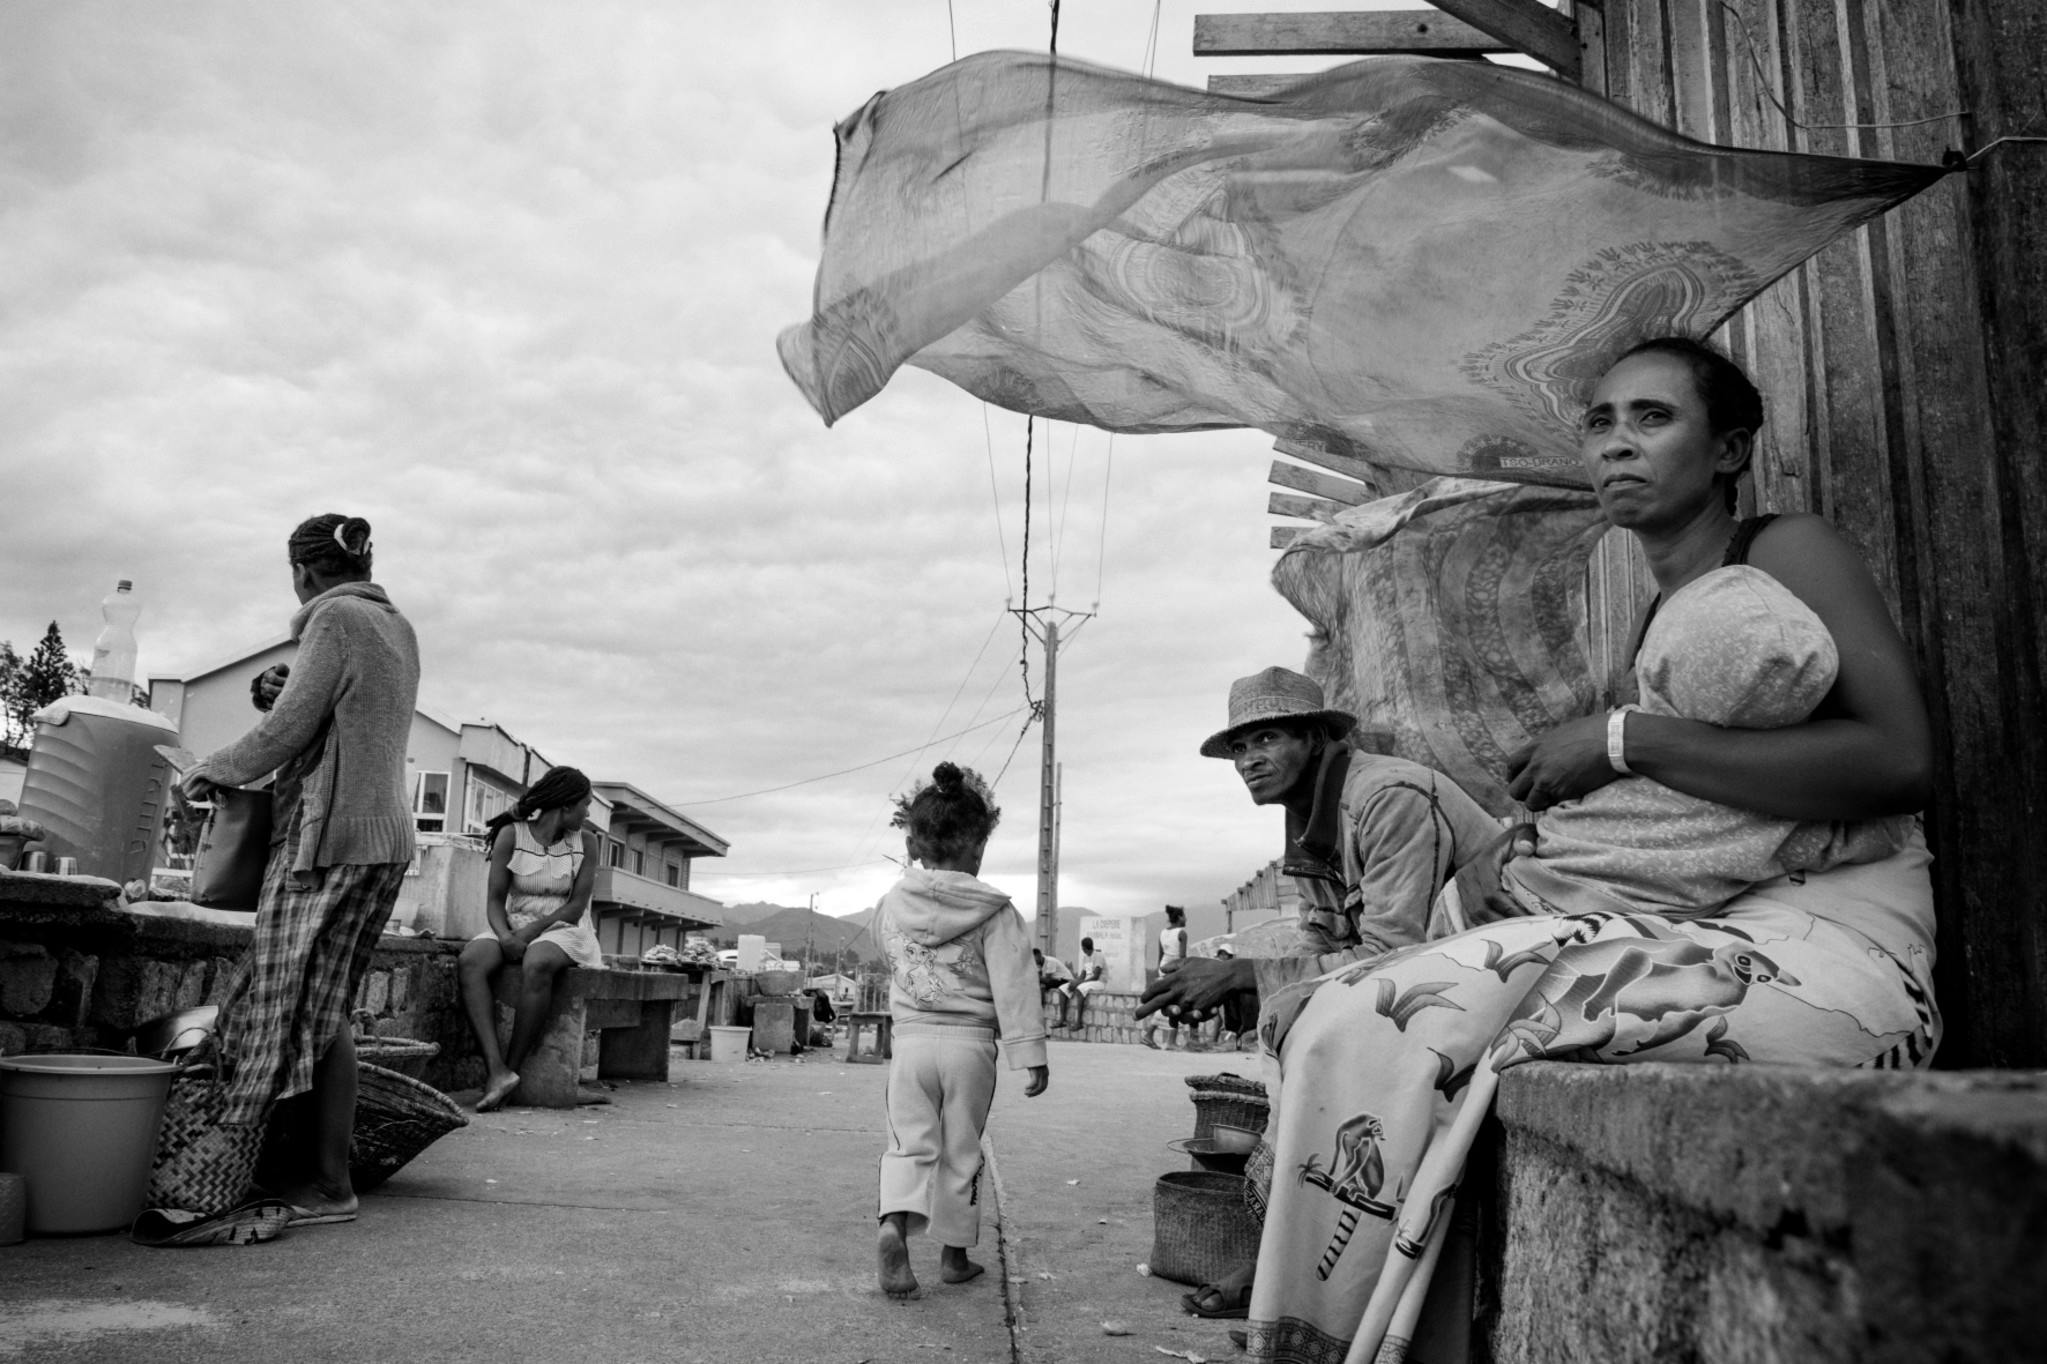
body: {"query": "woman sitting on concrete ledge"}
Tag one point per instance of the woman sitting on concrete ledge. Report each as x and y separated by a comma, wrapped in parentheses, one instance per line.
(1386, 1069)
(543, 864)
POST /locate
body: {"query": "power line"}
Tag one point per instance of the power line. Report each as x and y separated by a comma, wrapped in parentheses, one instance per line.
(844, 771)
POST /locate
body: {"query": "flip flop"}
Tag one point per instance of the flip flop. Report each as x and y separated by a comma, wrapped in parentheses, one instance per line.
(248, 1224)
(305, 1217)
(1231, 1304)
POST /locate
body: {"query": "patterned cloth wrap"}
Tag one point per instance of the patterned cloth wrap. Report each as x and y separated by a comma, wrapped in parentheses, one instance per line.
(1381, 1073)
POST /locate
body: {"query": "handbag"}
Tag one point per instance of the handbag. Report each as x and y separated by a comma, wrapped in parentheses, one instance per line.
(234, 850)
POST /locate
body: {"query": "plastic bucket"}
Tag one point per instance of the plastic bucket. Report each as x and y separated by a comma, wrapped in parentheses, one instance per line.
(729, 1044)
(82, 1131)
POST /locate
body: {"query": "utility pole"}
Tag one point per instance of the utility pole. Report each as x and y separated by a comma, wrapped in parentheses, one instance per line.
(1043, 622)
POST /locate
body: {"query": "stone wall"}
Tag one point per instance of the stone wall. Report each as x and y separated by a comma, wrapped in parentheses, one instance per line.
(77, 971)
(1710, 1213)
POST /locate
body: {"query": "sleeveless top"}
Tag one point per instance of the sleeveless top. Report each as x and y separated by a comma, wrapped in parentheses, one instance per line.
(542, 877)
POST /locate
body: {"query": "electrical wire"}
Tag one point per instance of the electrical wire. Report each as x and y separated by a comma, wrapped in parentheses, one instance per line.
(844, 771)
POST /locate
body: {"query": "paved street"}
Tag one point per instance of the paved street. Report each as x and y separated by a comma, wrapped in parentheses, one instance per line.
(725, 1216)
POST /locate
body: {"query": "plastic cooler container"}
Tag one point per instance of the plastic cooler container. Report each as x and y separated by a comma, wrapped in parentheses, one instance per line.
(97, 785)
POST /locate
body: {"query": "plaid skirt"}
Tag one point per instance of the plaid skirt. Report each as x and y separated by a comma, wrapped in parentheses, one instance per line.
(292, 993)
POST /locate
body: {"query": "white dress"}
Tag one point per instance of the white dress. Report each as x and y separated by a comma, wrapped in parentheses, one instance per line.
(542, 878)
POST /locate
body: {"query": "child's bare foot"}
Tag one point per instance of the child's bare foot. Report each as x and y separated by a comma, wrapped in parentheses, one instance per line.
(955, 1267)
(893, 1252)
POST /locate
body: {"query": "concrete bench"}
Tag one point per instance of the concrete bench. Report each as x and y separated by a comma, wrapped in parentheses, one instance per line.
(630, 1011)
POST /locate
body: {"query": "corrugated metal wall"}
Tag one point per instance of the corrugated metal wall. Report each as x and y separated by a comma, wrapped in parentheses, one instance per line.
(1903, 369)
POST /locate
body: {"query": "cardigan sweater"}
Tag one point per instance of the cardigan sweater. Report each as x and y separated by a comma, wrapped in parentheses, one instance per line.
(340, 728)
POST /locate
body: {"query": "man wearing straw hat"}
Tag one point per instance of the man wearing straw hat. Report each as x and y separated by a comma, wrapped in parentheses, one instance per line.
(1370, 840)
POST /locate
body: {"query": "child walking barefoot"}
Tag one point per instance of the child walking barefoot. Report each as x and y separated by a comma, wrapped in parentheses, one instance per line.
(961, 977)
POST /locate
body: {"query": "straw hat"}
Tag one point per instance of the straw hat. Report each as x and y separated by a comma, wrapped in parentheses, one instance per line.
(1275, 694)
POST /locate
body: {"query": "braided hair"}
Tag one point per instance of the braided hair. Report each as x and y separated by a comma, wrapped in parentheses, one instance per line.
(950, 815)
(332, 545)
(558, 790)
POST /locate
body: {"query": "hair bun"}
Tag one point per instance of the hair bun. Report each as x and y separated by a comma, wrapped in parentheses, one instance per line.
(946, 776)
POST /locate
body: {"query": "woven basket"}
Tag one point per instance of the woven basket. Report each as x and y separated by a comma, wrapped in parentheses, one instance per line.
(201, 1164)
(1201, 1228)
(401, 1054)
(396, 1117)
(1228, 1099)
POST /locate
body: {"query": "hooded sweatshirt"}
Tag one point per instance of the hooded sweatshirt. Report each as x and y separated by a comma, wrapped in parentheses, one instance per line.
(959, 957)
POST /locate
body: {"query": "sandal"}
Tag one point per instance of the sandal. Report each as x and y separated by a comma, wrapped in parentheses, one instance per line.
(1218, 1303)
(251, 1223)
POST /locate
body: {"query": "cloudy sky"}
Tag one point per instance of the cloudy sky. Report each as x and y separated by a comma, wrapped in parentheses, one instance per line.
(504, 278)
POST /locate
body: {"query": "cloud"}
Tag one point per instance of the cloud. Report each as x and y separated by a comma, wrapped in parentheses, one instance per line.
(504, 278)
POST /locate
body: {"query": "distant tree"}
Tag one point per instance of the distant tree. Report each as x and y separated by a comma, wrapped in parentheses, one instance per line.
(46, 675)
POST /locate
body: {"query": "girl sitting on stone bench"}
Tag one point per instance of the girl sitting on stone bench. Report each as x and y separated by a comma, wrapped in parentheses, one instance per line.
(542, 867)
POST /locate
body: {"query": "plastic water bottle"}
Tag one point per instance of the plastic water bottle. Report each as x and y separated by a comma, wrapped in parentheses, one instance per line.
(113, 653)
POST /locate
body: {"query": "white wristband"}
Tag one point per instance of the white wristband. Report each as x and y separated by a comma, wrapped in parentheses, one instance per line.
(1617, 742)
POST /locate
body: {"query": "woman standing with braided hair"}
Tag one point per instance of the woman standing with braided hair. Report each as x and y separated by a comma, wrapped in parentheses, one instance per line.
(542, 867)
(335, 735)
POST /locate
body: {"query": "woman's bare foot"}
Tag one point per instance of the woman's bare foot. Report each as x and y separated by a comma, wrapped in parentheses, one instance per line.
(955, 1267)
(315, 1204)
(497, 1089)
(893, 1252)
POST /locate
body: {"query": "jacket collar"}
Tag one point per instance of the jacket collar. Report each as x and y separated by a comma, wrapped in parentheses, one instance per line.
(366, 591)
(1314, 845)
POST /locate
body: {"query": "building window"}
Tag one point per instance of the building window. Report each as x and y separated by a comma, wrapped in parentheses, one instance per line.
(673, 874)
(482, 803)
(616, 855)
(430, 802)
(639, 862)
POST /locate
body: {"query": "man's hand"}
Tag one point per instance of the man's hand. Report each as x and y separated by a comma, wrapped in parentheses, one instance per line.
(199, 790)
(1040, 1077)
(1199, 986)
(1562, 765)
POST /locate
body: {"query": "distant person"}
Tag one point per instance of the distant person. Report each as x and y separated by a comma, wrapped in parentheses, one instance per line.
(1088, 979)
(960, 988)
(335, 735)
(543, 867)
(1172, 952)
(1053, 975)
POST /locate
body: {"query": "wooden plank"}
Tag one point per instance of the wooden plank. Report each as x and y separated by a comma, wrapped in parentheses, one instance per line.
(1528, 26)
(1591, 24)
(1359, 33)
(2001, 77)
(1348, 491)
(1350, 466)
(1306, 508)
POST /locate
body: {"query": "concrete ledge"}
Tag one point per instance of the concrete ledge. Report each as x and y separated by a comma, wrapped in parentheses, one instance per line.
(1652, 1212)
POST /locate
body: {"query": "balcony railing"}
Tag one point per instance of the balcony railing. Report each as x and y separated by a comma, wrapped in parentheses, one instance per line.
(616, 885)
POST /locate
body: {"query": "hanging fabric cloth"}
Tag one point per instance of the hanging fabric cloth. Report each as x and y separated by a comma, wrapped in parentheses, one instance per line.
(1415, 261)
